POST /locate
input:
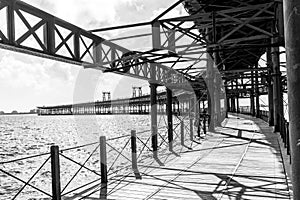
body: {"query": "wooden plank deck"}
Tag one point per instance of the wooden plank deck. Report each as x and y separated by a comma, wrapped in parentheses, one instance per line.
(228, 164)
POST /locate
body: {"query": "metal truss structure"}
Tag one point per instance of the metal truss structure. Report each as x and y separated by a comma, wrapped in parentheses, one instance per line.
(47, 36)
(237, 40)
(235, 33)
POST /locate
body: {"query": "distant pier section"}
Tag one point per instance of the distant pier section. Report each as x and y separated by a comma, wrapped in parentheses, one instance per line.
(137, 104)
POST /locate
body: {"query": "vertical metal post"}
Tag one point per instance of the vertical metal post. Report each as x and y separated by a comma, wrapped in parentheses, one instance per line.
(153, 100)
(192, 113)
(252, 103)
(133, 150)
(252, 99)
(11, 21)
(182, 133)
(156, 43)
(292, 45)
(226, 101)
(103, 159)
(76, 41)
(211, 92)
(233, 109)
(49, 36)
(197, 114)
(55, 173)
(237, 104)
(217, 90)
(204, 119)
(170, 118)
(277, 88)
(270, 88)
(97, 52)
(237, 97)
(257, 92)
(229, 106)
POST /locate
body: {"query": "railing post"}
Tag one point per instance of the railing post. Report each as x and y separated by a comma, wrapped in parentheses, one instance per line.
(103, 159)
(55, 173)
(133, 150)
(182, 133)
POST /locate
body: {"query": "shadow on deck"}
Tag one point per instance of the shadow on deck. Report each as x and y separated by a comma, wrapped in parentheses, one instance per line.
(241, 160)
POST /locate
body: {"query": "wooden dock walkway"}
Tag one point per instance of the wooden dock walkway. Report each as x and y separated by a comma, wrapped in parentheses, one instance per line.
(241, 160)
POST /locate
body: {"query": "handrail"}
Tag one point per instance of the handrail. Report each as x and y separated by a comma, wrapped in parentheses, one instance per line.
(283, 124)
(27, 183)
(144, 151)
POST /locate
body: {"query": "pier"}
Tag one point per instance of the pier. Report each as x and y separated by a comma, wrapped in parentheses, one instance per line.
(134, 105)
(243, 159)
(208, 61)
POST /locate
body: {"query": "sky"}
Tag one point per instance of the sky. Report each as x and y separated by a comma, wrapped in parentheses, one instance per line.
(27, 81)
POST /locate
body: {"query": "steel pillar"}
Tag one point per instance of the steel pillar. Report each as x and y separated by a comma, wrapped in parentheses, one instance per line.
(237, 104)
(156, 43)
(292, 44)
(233, 104)
(217, 90)
(227, 106)
(211, 92)
(270, 88)
(170, 118)
(252, 104)
(277, 87)
(237, 98)
(252, 99)
(197, 114)
(153, 101)
(256, 92)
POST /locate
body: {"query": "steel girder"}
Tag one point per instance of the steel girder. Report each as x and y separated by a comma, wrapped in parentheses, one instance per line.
(54, 38)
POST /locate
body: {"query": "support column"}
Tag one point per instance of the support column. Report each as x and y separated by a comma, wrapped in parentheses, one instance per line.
(237, 98)
(156, 43)
(227, 105)
(257, 92)
(270, 88)
(153, 100)
(217, 84)
(237, 104)
(252, 100)
(211, 92)
(233, 104)
(292, 44)
(277, 87)
(170, 119)
(197, 113)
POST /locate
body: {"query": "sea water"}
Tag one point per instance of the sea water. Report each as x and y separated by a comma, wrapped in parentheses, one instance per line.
(27, 135)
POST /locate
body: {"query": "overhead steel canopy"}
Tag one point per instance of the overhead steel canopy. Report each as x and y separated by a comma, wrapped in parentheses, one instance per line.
(239, 30)
(235, 33)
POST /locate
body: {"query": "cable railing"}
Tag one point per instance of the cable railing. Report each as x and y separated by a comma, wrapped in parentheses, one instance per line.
(73, 171)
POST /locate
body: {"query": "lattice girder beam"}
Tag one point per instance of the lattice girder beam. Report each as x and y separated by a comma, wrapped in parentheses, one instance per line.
(54, 38)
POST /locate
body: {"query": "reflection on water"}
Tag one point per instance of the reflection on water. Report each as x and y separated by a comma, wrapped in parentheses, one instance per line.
(25, 135)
